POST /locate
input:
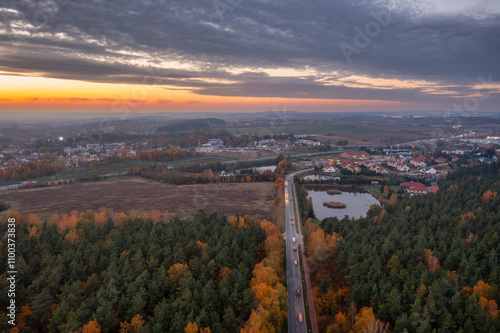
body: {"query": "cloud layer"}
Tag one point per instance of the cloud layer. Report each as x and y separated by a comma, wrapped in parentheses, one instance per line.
(260, 48)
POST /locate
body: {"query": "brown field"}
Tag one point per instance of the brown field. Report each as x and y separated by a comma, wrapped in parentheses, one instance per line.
(145, 195)
(244, 156)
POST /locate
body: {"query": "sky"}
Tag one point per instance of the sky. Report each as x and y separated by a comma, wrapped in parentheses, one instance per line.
(249, 55)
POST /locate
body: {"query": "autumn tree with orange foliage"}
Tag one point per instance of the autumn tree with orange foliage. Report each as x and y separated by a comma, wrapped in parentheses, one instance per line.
(319, 248)
(176, 272)
(274, 247)
(191, 328)
(411, 269)
(340, 325)
(393, 199)
(135, 324)
(237, 222)
(431, 261)
(270, 314)
(125, 269)
(489, 195)
(91, 327)
(278, 184)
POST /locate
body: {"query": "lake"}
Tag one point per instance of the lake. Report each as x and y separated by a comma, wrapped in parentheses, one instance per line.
(357, 204)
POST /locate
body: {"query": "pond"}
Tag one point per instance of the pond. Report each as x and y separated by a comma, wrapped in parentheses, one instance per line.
(357, 204)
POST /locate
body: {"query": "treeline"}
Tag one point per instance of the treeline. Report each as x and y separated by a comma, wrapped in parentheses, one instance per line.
(422, 264)
(188, 139)
(111, 272)
(205, 177)
(170, 154)
(192, 125)
(207, 173)
(32, 170)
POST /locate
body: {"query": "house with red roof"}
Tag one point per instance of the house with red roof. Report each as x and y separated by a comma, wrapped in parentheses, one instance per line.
(357, 155)
(329, 168)
(417, 188)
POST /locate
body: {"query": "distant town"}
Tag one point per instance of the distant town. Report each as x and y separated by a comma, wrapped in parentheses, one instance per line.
(28, 161)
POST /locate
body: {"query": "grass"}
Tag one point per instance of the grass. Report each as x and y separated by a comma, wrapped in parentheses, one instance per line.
(317, 222)
(373, 189)
(378, 191)
(395, 188)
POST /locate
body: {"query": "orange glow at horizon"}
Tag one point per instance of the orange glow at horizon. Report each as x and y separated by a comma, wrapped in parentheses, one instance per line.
(43, 94)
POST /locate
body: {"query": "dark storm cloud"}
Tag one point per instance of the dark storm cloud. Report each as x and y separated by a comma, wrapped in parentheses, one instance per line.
(122, 41)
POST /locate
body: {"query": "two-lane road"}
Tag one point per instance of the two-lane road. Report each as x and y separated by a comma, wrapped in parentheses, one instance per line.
(294, 278)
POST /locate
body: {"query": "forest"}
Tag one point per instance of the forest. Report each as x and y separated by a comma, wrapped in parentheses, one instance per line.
(111, 272)
(420, 264)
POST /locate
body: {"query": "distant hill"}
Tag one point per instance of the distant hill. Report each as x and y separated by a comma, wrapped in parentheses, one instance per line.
(192, 125)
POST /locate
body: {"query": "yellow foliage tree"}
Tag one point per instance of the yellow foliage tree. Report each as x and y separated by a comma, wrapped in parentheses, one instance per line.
(320, 248)
(258, 322)
(262, 274)
(176, 271)
(272, 299)
(191, 328)
(155, 216)
(72, 236)
(367, 323)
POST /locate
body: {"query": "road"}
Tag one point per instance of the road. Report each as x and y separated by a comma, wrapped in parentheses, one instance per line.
(294, 277)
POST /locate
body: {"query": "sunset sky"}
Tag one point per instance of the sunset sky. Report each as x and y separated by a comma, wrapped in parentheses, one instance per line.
(249, 55)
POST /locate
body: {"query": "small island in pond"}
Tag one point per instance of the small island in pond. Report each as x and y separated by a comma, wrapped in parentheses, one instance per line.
(334, 204)
(332, 191)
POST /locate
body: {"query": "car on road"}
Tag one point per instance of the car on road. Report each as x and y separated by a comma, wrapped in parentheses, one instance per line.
(293, 240)
(300, 317)
(293, 223)
(298, 293)
(294, 248)
(295, 262)
(291, 218)
(290, 199)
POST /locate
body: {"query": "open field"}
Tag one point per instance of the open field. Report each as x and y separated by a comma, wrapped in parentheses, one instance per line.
(354, 132)
(145, 195)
